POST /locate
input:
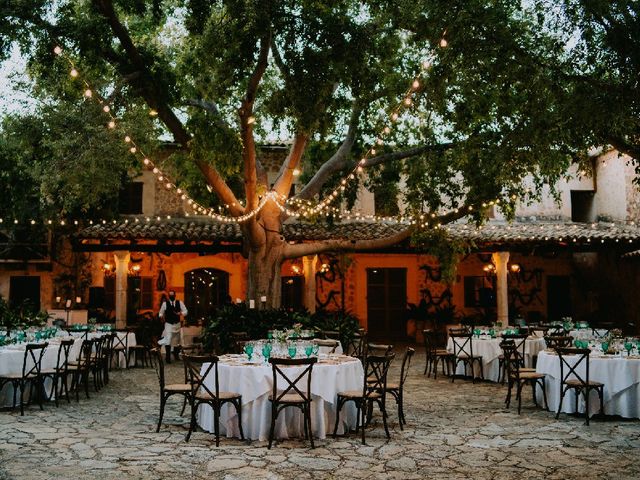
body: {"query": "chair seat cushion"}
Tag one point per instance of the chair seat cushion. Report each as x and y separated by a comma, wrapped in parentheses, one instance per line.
(531, 375)
(221, 396)
(578, 383)
(178, 387)
(465, 356)
(443, 353)
(357, 394)
(393, 386)
(289, 398)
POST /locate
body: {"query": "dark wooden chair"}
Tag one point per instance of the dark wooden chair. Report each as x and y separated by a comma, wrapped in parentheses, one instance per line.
(463, 353)
(570, 379)
(356, 346)
(80, 368)
(330, 344)
(434, 354)
(202, 394)
(558, 341)
(141, 351)
(397, 389)
(120, 348)
(519, 378)
(291, 395)
(379, 349)
(238, 339)
(31, 375)
(372, 392)
(59, 373)
(168, 390)
(519, 340)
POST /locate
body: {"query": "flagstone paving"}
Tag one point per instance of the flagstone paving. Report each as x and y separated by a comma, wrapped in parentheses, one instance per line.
(458, 430)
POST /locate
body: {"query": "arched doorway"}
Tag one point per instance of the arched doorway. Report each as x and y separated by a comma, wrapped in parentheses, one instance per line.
(204, 290)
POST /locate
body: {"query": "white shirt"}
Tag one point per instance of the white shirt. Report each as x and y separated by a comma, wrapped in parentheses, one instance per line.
(163, 308)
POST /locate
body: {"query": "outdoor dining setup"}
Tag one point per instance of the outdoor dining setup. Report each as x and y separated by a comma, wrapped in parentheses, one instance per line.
(571, 368)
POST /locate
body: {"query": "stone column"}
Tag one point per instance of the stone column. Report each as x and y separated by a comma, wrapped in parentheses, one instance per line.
(309, 269)
(501, 259)
(122, 258)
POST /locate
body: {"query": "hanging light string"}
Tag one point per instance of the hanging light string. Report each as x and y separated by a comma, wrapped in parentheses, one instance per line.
(306, 207)
(135, 149)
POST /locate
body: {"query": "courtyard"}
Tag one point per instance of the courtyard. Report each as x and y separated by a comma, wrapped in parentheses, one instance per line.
(454, 430)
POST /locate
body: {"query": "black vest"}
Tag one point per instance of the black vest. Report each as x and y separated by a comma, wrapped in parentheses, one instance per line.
(172, 314)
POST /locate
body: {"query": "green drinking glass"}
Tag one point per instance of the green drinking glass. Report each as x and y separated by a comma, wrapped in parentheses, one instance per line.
(605, 347)
(292, 351)
(248, 349)
(266, 351)
(308, 350)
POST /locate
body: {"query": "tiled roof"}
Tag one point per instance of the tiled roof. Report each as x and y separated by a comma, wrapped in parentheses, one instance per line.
(204, 229)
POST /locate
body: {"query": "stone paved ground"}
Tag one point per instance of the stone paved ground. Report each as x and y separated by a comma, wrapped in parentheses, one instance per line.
(455, 431)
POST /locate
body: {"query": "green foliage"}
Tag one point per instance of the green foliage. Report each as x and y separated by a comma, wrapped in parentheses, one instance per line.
(20, 317)
(257, 323)
(447, 250)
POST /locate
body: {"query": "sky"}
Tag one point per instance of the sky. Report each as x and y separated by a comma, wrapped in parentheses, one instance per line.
(12, 70)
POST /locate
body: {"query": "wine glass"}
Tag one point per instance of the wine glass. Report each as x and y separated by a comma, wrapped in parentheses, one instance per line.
(248, 349)
(628, 345)
(292, 351)
(605, 347)
(315, 350)
(266, 351)
(308, 350)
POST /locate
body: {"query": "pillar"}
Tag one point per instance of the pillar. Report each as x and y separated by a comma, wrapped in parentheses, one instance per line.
(309, 269)
(122, 258)
(501, 259)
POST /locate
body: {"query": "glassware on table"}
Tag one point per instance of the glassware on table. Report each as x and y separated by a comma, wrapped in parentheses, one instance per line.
(292, 351)
(266, 351)
(476, 332)
(628, 345)
(308, 350)
(605, 347)
(315, 350)
(248, 349)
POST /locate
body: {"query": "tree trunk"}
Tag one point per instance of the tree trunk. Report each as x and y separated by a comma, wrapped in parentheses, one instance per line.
(264, 278)
(265, 262)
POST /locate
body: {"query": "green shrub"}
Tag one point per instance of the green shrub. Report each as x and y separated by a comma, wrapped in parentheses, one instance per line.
(257, 323)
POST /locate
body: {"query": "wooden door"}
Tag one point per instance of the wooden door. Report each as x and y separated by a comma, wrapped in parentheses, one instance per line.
(386, 303)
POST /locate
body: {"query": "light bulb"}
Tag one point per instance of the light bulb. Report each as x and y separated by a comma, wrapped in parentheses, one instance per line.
(127, 139)
(88, 93)
(443, 42)
(112, 124)
(415, 85)
(73, 73)
(57, 50)
(106, 108)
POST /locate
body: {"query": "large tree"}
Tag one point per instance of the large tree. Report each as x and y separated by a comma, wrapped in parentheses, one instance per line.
(496, 104)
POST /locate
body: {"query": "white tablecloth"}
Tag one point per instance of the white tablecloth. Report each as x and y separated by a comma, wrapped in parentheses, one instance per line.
(79, 336)
(621, 378)
(490, 350)
(254, 382)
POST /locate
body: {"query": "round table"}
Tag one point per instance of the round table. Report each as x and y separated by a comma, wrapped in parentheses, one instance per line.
(332, 374)
(620, 375)
(489, 349)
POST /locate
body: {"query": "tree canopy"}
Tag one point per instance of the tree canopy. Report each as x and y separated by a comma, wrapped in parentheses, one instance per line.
(512, 89)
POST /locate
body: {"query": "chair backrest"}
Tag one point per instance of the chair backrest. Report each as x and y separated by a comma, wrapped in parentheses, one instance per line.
(538, 330)
(558, 341)
(32, 362)
(462, 344)
(237, 341)
(557, 330)
(330, 334)
(331, 344)
(356, 345)
(459, 330)
(519, 341)
(511, 358)
(62, 359)
(569, 369)
(194, 364)
(406, 363)
(600, 332)
(121, 339)
(432, 341)
(159, 366)
(378, 349)
(291, 386)
(375, 374)
(84, 357)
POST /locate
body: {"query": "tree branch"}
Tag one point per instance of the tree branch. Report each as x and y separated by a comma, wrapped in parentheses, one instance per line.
(246, 124)
(220, 187)
(314, 248)
(148, 87)
(279, 61)
(283, 182)
(338, 161)
(625, 147)
(412, 152)
(212, 108)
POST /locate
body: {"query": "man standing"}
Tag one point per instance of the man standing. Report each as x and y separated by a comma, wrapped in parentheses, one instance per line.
(170, 311)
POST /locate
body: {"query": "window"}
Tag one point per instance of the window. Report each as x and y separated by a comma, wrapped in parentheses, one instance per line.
(25, 291)
(205, 289)
(582, 206)
(139, 293)
(479, 292)
(131, 198)
(292, 291)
